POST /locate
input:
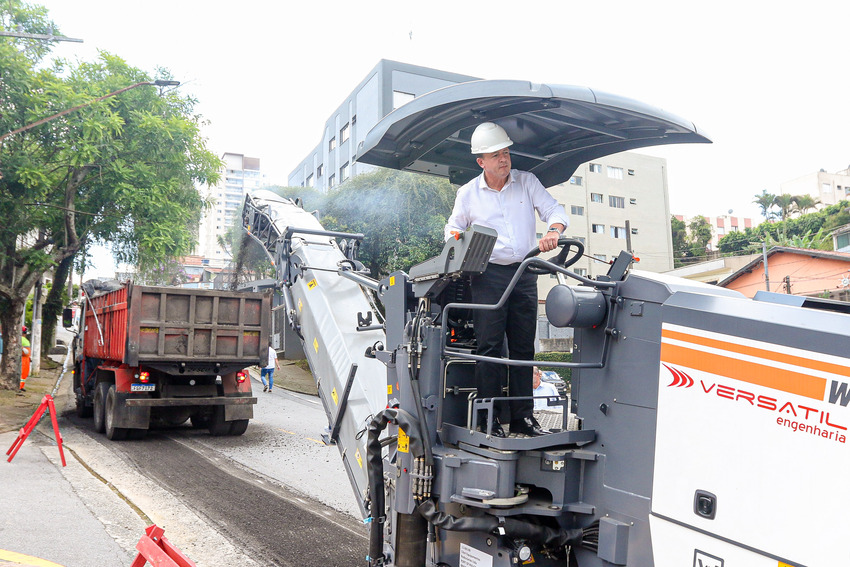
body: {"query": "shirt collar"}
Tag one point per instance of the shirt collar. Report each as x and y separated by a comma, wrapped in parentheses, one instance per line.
(482, 183)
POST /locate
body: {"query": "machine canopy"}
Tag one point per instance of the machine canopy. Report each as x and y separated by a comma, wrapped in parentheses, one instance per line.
(555, 128)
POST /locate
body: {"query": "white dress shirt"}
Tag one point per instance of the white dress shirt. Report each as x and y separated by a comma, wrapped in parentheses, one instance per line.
(545, 389)
(510, 212)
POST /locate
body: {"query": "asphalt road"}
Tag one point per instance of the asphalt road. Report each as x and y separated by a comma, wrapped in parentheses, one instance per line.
(277, 494)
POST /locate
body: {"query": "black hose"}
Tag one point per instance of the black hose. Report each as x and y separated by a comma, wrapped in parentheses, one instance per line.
(375, 470)
(518, 529)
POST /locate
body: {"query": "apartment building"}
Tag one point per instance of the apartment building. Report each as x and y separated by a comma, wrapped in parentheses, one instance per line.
(829, 188)
(616, 203)
(386, 87)
(241, 175)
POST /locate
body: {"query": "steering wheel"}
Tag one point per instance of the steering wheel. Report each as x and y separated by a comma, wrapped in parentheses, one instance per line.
(561, 259)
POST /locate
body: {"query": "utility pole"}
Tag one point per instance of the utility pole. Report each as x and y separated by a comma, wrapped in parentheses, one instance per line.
(764, 259)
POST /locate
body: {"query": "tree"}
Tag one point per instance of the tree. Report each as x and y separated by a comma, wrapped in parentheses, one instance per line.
(122, 170)
(700, 233)
(785, 204)
(680, 235)
(765, 201)
(804, 203)
(401, 214)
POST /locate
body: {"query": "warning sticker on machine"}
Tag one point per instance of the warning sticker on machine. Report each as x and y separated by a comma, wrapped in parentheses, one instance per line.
(471, 557)
(403, 441)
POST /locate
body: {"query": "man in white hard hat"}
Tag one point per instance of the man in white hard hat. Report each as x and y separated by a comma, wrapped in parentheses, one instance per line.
(506, 200)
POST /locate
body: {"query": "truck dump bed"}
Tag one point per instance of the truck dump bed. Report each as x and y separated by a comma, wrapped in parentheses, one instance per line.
(140, 324)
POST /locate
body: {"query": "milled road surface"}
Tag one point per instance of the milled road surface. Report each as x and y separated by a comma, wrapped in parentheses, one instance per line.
(242, 486)
(273, 525)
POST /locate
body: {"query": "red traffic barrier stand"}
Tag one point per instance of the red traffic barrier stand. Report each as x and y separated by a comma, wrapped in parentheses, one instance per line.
(154, 548)
(46, 404)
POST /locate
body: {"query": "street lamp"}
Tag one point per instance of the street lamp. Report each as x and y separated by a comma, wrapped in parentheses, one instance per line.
(157, 83)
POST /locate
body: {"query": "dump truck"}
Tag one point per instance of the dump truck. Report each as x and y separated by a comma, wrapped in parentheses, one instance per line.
(705, 427)
(163, 355)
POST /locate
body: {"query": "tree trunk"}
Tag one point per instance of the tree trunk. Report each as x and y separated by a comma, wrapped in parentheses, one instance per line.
(10, 367)
(54, 304)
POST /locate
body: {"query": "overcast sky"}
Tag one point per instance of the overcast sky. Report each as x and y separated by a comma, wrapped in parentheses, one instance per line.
(769, 84)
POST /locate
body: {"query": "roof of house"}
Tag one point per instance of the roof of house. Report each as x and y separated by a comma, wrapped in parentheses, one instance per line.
(825, 254)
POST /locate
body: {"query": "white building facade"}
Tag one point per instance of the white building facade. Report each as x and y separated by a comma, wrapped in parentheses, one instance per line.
(241, 175)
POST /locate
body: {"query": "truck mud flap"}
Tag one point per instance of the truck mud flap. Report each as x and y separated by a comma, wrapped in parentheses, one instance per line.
(128, 415)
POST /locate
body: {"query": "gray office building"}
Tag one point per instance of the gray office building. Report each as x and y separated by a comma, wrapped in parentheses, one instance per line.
(388, 85)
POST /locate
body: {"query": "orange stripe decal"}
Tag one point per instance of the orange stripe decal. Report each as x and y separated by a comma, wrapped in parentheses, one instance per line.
(745, 371)
(758, 352)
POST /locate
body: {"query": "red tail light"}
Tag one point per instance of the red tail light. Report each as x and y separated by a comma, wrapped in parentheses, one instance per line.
(241, 377)
(144, 376)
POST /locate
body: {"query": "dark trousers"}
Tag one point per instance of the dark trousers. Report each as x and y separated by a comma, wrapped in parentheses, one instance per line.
(516, 320)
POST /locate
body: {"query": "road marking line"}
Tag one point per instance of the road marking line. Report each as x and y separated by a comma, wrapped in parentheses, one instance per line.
(22, 559)
(316, 441)
(285, 431)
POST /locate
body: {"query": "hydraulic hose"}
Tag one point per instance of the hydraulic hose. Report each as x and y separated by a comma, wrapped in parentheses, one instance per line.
(375, 470)
(515, 528)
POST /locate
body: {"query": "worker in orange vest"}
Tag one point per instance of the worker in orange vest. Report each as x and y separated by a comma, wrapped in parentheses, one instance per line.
(25, 358)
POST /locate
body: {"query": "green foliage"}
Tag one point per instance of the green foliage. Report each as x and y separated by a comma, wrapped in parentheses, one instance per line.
(810, 230)
(690, 242)
(402, 216)
(565, 373)
(120, 170)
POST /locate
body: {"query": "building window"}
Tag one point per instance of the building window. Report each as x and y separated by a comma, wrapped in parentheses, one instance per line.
(616, 202)
(539, 235)
(575, 180)
(310, 180)
(618, 232)
(634, 231)
(401, 98)
(581, 272)
(598, 229)
(631, 172)
(615, 172)
(596, 197)
(842, 241)
(332, 144)
(343, 134)
(580, 239)
(343, 172)
(595, 168)
(601, 257)
(332, 180)
(577, 211)
(319, 170)
(826, 187)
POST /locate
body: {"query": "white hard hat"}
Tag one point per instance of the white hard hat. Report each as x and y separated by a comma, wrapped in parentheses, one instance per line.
(489, 137)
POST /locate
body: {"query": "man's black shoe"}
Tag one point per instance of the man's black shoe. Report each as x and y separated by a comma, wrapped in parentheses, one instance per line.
(496, 431)
(528, 426)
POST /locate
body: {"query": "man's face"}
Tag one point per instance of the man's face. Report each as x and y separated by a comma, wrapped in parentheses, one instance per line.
(496, 165)
(536, 379)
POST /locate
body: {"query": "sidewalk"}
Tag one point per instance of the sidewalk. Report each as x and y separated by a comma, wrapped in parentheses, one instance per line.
(44, 515)
(94, 510)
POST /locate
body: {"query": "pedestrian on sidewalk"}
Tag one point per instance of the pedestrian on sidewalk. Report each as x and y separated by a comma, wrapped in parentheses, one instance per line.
(271, 365)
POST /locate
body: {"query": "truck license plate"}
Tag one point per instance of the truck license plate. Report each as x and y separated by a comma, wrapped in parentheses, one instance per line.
(142, 387)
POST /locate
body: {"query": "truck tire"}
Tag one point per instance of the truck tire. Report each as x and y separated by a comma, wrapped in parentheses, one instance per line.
(200, 421)
(217, 425)
(100, 392)
(136, 434)
(238, 426)
(112, 433)
(82, 409)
